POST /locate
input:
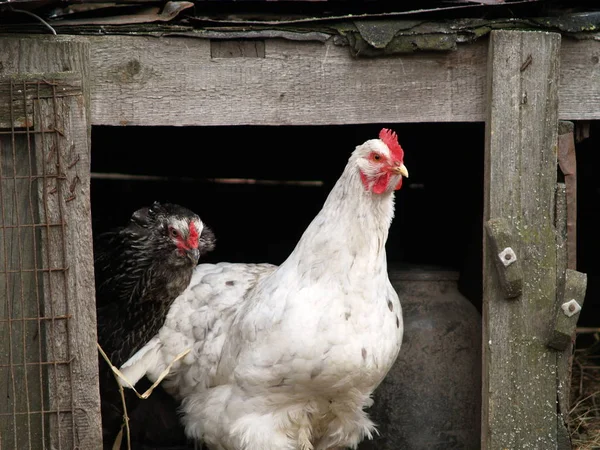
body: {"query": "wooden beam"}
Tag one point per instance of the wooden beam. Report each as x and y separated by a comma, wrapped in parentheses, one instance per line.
(176, 81)
(519, 371)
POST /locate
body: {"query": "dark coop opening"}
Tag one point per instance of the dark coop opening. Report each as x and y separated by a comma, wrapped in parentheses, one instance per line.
(258, 188)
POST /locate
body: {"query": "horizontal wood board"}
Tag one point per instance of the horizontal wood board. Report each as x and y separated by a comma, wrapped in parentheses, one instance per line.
(174, 81)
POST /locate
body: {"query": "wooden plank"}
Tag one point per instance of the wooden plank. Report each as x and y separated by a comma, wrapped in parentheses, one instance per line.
(65, 199)
(237, 48)
(519, 371)
(563, 359)
(72, 387)
(174, 81)
(579, 91)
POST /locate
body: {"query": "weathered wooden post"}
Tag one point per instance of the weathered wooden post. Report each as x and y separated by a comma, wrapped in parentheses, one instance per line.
(531, 300)
(48, 357)
(519, 370)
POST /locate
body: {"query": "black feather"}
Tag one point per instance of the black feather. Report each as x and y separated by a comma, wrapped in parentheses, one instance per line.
(139, 271)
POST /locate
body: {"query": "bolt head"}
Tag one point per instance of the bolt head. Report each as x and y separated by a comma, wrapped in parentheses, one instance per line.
(571, 308)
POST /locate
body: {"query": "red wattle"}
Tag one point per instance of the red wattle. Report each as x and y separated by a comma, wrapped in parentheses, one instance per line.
(381, 184)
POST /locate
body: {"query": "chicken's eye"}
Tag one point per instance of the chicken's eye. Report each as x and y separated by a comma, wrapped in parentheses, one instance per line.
(376, 156)
(173, 232)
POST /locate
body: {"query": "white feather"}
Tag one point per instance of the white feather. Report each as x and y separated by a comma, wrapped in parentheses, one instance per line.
(137, 366)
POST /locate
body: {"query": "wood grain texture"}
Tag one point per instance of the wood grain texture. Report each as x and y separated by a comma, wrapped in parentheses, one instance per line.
(579, 90)
(38, 54)
(64, 192)
(174, 81)
(237, 48)
(564, 359)
(519, 371)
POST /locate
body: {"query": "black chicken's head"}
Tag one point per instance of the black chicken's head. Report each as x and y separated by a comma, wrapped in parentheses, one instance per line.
(174, 232)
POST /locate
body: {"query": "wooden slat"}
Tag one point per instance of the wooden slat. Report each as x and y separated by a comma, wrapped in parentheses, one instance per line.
(564, 359)
(579, 91)
(174, 81)
(519, 371)
(73, 387)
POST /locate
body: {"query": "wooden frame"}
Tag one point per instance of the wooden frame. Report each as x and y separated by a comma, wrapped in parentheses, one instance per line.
(176, 81)
(519, 83)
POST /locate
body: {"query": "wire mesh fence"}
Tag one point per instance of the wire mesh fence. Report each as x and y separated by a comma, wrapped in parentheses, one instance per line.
(37, 162)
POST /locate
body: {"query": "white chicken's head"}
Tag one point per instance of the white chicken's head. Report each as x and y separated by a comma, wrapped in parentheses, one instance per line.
(381, 163)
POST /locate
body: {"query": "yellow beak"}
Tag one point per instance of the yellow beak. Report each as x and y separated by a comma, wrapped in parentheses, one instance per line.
(402, 170)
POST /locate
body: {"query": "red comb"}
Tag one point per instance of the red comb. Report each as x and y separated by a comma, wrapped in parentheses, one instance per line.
(390, 139)
(193, 236)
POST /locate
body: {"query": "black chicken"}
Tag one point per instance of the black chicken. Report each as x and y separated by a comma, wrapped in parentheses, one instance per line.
(140, 269)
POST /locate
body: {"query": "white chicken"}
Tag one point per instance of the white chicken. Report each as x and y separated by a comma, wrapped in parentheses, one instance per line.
(287, 357)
